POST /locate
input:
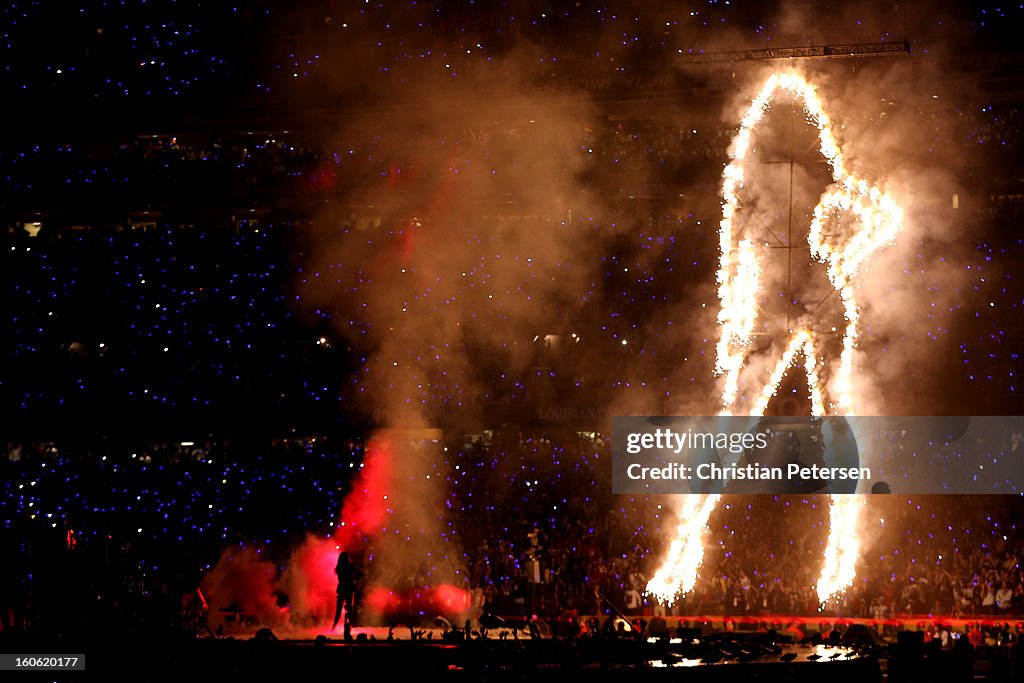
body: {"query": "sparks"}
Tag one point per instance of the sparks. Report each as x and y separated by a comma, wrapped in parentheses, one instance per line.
(843, 546)
(879, 220)
(678, 574)
(738, 275)
(800, 343)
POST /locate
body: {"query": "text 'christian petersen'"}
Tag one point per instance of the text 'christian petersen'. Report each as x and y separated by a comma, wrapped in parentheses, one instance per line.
(714, 472)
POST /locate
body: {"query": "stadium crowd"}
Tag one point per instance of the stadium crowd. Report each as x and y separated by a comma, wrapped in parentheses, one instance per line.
(170, 392)
(135, 50)
(154, 328)
(531, 520)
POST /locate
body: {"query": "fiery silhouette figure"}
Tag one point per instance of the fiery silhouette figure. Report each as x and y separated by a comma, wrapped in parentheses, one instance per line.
(871, 219)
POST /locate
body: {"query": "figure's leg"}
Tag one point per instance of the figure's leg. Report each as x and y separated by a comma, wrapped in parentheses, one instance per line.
(348, 615)
(337, 611)
(351, 608)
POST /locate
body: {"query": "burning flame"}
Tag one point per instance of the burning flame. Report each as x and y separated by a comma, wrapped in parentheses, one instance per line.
(802, 343)
(842, 548)
(738, 271)
(678, 574)
(880, 220)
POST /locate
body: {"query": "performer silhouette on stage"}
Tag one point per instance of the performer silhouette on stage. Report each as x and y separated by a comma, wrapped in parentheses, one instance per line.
(348, 575)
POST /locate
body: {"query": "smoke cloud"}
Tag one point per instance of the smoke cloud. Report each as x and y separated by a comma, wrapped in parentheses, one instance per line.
(498, 239)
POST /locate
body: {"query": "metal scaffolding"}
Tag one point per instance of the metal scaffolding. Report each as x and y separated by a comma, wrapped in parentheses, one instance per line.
(808, 52)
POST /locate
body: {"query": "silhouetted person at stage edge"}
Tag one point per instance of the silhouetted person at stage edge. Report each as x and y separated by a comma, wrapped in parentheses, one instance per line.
(348, 575)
